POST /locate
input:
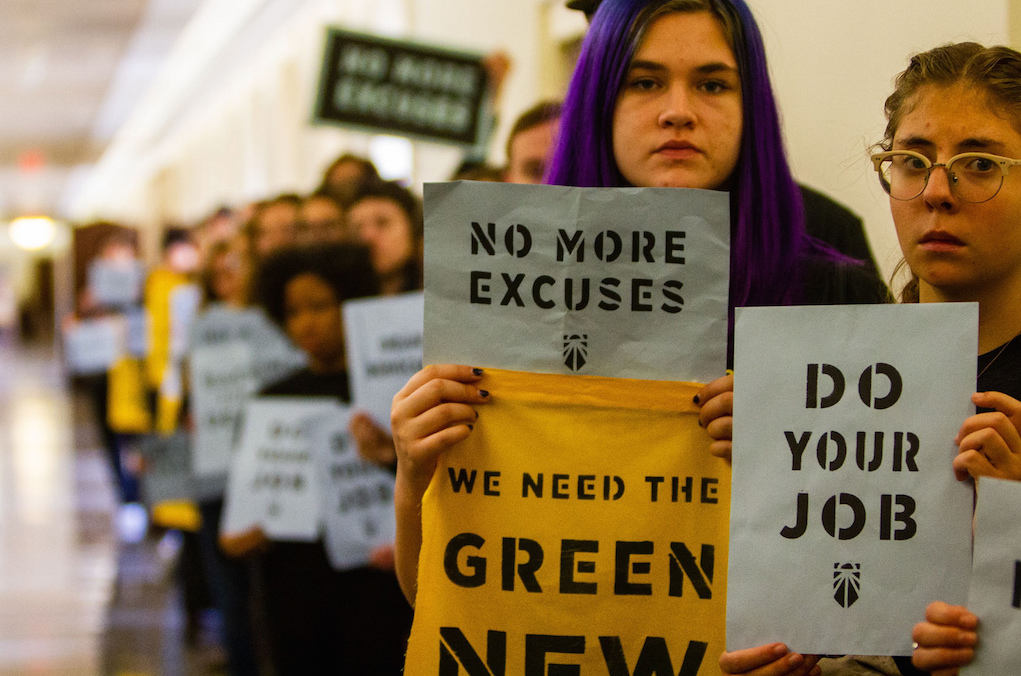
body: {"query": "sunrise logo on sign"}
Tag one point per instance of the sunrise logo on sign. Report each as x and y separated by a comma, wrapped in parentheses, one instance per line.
(575, 351)
(846, 583)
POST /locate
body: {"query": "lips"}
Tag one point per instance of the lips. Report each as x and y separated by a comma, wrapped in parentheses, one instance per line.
(940, 237)
(678, 149)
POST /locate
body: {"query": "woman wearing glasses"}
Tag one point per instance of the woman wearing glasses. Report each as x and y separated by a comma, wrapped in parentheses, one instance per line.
(953, 140)
(953, 134)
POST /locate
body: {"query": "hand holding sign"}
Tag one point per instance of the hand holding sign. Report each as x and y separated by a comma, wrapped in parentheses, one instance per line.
(990, 442)
(774, 659)
(717, 414)
(947, 638)
(430, 414)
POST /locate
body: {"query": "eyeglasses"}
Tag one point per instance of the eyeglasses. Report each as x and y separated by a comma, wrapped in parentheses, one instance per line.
(973, 177)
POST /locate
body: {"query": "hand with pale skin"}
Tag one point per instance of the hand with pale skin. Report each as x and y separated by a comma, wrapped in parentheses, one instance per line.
(238, 545)
(772, 659)
(373, 442)
(989, 444)
(946, 640)
(431, 413)
(716, 416)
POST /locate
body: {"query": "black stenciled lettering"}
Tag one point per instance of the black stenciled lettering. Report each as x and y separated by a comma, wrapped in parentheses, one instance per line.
(902, 457)
(671, 290)
(477, 564)
(642, 244)
(640, 295)
(568, 566)
(512, 293)
(654, 658)
(484, 238)
(559, 489)
(797, 448)
(538, 646)
(865, 386)
(586, 487)
(877, 452)
(608, 246)
(887, 517)
(829, 516)
(479, 287)
(822, 451)
(1016, 601)
(654, 482)
(491, 483)
(570, 244)
(455, 649)
(624, 568)
(541, 281)
(528, 483)
(812, 399)
(526, 570)
(569, 300)
(801, 522)
(709, 485)
(682, 562)
(674, 246)
(611, 297)
(462, 478)
(512, 237)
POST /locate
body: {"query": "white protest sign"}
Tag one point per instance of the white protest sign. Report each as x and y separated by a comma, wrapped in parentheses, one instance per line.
(184, 306)
(383, 339)
(272, 480)
(619, 282)
(995, 594)
(846, 519)
(116, 283)
(357, 496)
(93, 345)
(233, 353)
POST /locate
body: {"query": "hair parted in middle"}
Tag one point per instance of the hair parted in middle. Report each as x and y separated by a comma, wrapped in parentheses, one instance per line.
(769, 242)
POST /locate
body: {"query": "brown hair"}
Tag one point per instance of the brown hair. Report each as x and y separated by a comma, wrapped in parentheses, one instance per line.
(995, 70)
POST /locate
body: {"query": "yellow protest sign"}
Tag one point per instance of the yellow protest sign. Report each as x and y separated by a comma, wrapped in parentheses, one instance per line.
(582, 529)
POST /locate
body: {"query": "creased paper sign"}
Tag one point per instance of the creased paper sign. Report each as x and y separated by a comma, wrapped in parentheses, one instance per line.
(357, 496)
(620, 282)
(232, 354)
(116, 283)
(995, 594)
(272, 480)
(580, 529)
(846, 519)
(383, 339)
(167, 473)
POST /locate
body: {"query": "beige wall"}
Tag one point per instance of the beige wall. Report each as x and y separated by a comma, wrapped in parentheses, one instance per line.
(833, 64)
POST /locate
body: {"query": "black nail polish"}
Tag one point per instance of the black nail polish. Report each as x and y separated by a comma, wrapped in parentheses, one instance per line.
(471, 428)
(483, 393)
(476, 415)
(696, 400)
(699, 423)
(477, 372)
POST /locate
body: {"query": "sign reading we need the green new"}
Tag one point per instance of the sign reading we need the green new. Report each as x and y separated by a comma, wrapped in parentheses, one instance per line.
(402, 88)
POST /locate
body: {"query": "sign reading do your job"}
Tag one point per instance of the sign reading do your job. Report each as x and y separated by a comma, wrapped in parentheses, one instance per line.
(618, 282)
(402, 88)
(846, 519)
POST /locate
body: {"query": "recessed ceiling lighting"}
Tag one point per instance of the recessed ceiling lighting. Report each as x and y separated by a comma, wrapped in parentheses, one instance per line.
(32, 233)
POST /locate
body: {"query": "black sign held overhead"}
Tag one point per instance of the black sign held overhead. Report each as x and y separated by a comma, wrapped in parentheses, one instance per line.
(402, 88)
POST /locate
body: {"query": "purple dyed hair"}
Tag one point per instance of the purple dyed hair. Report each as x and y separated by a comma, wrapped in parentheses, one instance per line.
(769, 243)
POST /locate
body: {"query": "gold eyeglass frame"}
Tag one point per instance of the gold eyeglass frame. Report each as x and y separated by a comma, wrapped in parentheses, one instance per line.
(1004, 163)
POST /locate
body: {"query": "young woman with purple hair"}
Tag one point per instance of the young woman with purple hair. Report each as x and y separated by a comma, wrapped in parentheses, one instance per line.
(667, 93)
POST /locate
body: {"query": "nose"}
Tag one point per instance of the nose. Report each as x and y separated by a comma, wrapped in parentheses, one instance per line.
(937, 193)
(677, 110)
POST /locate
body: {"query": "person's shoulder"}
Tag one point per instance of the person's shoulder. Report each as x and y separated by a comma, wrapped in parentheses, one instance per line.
(842, 282)
(294, 383)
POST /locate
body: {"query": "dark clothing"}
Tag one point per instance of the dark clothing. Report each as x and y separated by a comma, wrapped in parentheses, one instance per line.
(1000, 369)
(324, 621)
(836, 225)
(827, 283)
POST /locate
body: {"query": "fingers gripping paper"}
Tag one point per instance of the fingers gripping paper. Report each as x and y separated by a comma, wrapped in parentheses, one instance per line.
(581, 529)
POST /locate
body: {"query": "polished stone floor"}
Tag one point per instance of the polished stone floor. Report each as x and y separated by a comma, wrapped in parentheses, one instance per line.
(73, 599)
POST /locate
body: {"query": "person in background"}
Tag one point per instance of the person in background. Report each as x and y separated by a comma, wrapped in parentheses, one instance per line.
(274, 224)
(321, 218)
(531, 141)
(322, 620)
(345, 174)
(388, 218)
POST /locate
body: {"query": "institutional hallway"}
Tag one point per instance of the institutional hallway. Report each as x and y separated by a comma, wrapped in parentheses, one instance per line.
(73, 600)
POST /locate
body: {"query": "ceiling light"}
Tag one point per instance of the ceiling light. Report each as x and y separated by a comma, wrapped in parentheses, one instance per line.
(32, 233)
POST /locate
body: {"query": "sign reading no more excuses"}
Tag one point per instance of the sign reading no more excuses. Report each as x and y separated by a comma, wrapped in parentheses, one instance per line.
(402, 88)
(616, 282)
(847, 519)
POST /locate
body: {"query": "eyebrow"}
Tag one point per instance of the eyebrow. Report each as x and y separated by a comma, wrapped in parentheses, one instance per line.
(707, 68)
(970, 143)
